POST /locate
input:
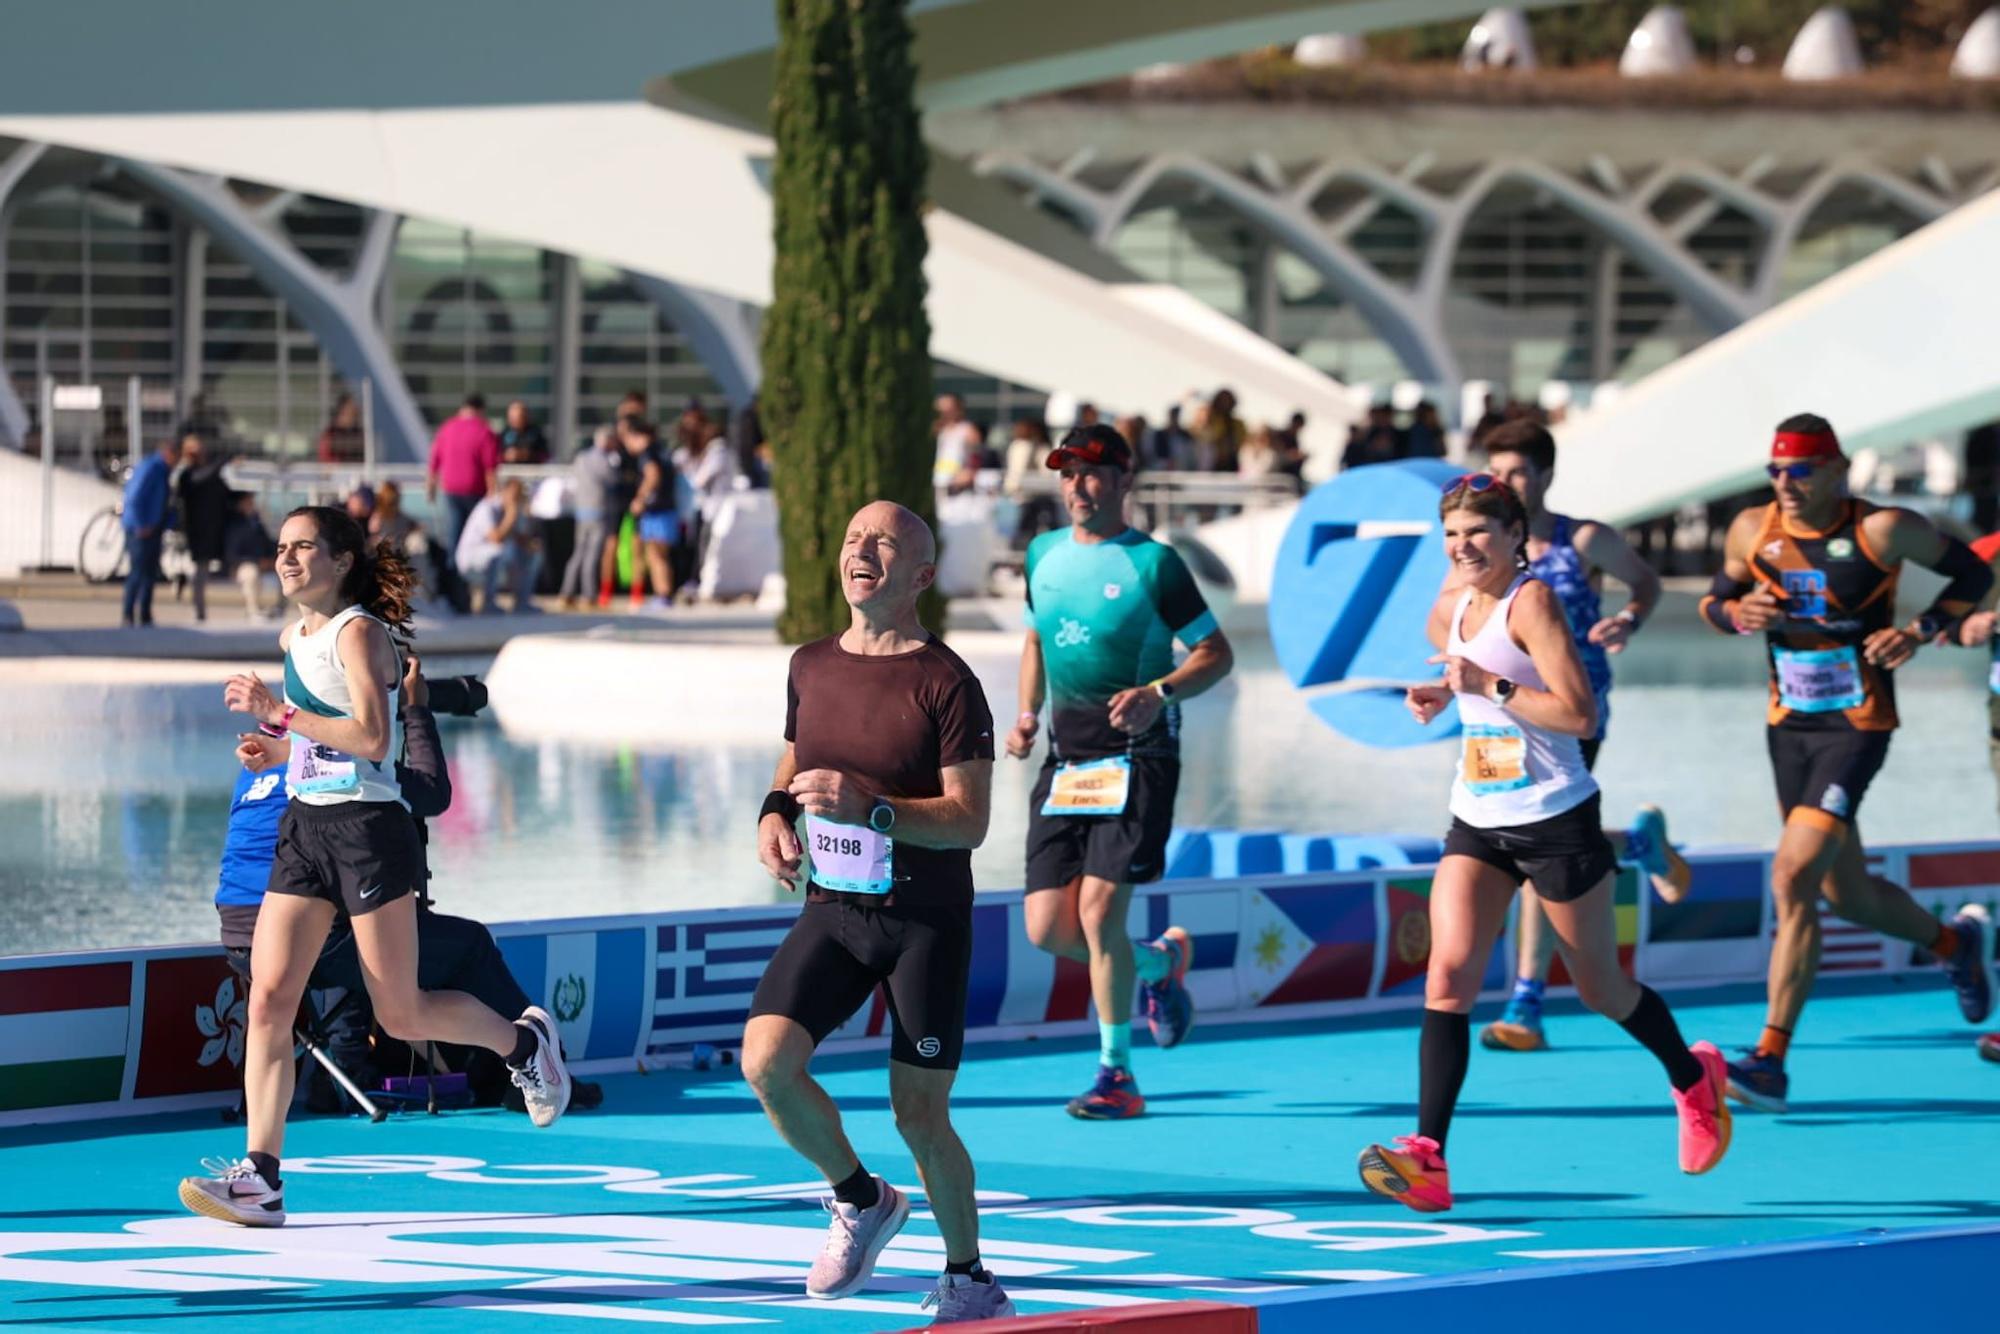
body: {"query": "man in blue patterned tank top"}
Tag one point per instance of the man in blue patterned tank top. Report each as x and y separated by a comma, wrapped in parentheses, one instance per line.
(1572, 556)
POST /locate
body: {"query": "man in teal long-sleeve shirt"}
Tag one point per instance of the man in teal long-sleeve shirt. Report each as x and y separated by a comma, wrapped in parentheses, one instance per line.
(145, 518)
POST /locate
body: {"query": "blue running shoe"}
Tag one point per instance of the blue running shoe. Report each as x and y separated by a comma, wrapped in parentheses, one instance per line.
(1759, 1081)
(1168, 1006)
(1114, 1097)
(1971, 967)
(1519, 1028)
(1646, 841)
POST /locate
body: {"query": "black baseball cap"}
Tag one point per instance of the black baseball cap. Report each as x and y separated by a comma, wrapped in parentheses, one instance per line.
(1098, 446)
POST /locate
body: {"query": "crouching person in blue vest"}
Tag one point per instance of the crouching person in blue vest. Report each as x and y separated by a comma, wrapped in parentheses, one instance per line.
(453, 953)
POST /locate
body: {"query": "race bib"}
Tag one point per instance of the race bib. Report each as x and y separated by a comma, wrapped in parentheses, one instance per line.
(1819, 680)
(1093, 787)
(315, 768)
(1494, 759)
(851, 858)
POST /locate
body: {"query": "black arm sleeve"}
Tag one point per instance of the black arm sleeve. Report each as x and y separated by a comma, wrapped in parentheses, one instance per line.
(1970, 578)
(425, 781)
(1723, 590)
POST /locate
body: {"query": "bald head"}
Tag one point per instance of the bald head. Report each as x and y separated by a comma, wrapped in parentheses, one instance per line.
(904, 525)
(888, 557)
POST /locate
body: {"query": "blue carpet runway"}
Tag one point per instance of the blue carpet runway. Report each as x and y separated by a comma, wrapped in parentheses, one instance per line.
(677, 1204)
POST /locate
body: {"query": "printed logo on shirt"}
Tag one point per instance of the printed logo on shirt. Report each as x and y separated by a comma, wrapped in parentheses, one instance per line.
(1840, 548)
(265, 785)
(1773, 550)
(1072, 634)
(929, 1048)
(1111, 592)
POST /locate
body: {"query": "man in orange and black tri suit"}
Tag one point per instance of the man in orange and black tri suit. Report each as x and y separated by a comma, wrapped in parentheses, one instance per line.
(1816, 572)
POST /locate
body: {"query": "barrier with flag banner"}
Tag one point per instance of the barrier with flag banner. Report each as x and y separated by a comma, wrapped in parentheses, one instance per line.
(116, 1032)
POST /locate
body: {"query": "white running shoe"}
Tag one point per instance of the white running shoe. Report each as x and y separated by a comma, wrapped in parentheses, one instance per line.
(853, 1239)
(235, 1192)
(544, 1081)
(960, 1297)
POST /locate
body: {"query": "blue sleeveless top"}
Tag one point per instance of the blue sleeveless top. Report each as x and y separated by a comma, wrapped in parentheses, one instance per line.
(1561, 567)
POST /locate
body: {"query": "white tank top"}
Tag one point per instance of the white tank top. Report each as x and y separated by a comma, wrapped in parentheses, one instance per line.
(316, 683)
(1510, 772)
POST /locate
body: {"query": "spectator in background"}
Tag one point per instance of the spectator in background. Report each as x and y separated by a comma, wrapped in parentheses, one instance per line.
(250, 556)
(360, 505)
(709, 469)
(1291, 447)
(205, 507)
(388, 523)
(957, 441)
(1259, 455)
(464, 465)
(1425, 438)
(1220, 432)
(657, 507)
(604, 479)
(1171, 447)
(501, 540)
(746, 442)
(144, 517)
(1133, 428)
(1490, 416)
(1374, 440)
(343, 440)
(1086, 415)
(522, 441)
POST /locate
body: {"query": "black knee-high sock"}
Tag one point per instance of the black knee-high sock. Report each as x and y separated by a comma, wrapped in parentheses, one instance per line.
(1653, 1024)
(1442, 1056)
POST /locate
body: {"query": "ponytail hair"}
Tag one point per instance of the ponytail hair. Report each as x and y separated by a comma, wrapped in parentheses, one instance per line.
(381, 580)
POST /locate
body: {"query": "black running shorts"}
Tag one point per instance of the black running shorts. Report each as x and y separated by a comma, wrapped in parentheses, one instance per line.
(1129, 848)
(1564, 856)
(358, 855)
(839, 951)
(1825, 771)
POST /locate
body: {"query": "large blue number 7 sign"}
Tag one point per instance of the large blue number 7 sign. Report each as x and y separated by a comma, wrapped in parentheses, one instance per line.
(1357, 574)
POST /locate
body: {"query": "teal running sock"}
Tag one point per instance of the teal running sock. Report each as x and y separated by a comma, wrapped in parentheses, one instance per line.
(1114, 1045)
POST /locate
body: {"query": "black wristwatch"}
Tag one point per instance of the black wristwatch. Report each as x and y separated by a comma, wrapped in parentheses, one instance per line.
(882, 818)
(1503, 690)
(1927, 627)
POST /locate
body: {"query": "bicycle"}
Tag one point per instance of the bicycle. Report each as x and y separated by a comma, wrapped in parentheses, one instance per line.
(100, 556)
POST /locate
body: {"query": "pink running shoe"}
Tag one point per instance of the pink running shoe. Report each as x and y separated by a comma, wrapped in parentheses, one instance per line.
(1704, 1113)
(1413, 1173)
(854, 1238)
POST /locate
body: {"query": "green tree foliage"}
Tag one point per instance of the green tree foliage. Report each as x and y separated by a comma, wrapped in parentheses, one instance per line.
(847, 372)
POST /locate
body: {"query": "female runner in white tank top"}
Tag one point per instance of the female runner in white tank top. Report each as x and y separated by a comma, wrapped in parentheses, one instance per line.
(1523, 807)
(347, 844)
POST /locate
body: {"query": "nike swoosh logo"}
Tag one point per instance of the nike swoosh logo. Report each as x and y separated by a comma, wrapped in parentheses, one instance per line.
(371, 891)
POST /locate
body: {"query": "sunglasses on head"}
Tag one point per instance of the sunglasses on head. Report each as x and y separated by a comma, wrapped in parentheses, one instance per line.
(1472, 481)
(1797, 472)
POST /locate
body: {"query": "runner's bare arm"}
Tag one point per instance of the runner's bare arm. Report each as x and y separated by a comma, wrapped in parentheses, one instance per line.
(1538, 625)
(1605, 548)
(778, 847)
(1901, 535)
(1033, 687)
(1739, 602)
(369, 663)
(955, 820)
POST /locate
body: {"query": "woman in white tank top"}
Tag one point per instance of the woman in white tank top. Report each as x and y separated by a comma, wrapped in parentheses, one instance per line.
(1523, 808)
(347, 844)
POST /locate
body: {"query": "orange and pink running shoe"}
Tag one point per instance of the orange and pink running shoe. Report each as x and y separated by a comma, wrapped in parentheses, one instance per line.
(1704, 1113)
(1412, 1173)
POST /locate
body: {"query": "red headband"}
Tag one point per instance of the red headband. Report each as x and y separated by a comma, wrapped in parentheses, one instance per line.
(1805, 445)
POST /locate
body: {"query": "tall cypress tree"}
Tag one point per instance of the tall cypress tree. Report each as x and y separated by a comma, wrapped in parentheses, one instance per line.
(847, 369)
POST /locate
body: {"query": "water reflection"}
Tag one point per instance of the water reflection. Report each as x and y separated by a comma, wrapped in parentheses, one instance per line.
(105, 845)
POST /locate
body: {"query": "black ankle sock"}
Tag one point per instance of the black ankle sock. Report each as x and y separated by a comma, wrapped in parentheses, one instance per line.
(267, 1167)
(858, 1190)
(1653, 1024)
(526, 1040)
(1442, 1055)
(971, 1268)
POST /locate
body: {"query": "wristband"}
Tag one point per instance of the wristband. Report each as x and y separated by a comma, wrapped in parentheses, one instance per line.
(284, 724)
(1028, 716)
(1630, 618)
(780, 802)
